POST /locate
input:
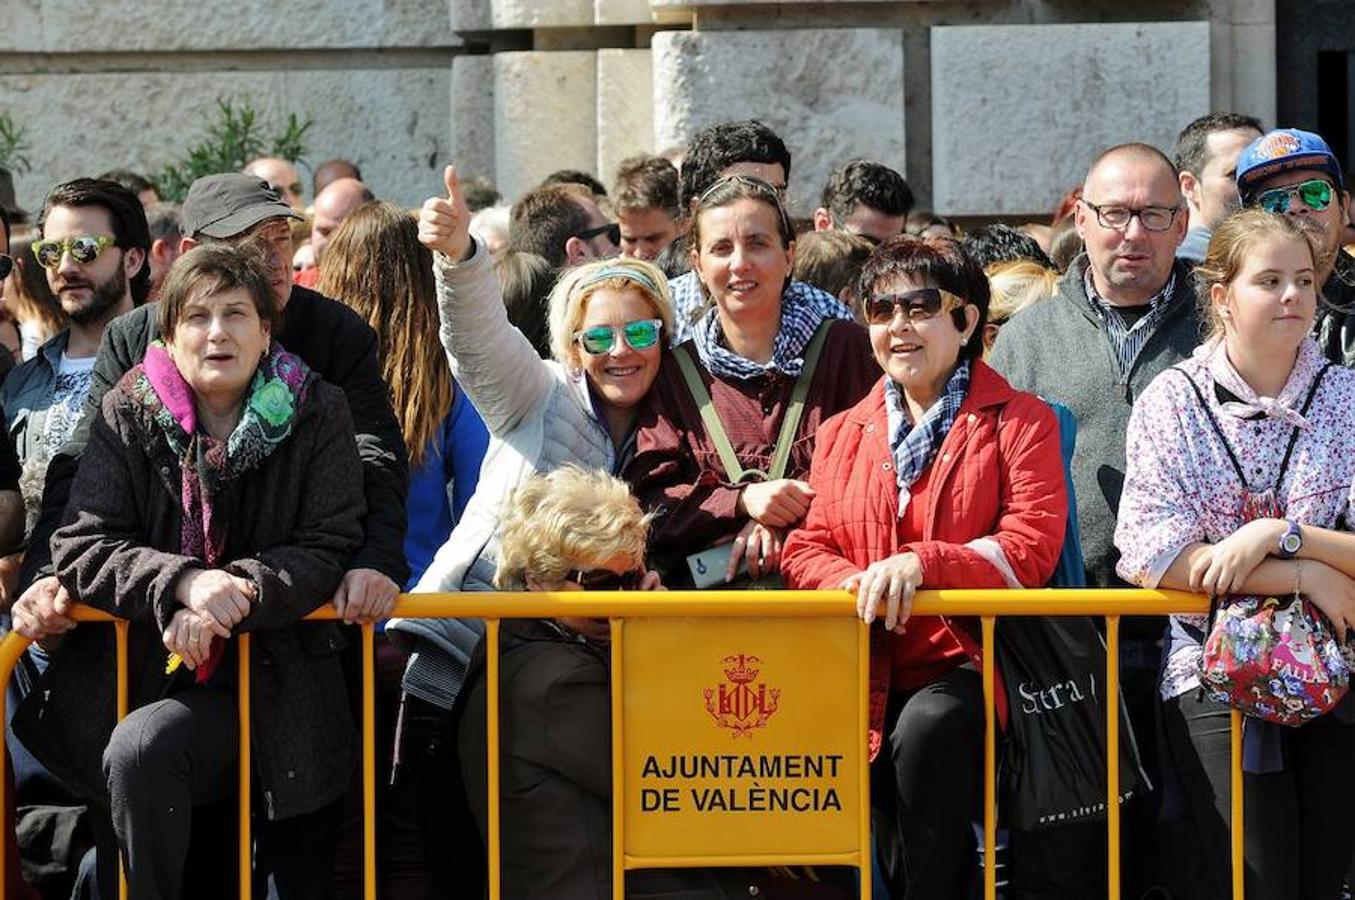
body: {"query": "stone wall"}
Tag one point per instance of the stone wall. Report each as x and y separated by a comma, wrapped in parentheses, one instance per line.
(990, 108)
(124, 83)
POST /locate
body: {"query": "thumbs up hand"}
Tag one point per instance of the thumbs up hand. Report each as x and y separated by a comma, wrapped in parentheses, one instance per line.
(444, 223)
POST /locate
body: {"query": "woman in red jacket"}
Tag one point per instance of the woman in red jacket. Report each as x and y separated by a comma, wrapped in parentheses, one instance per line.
(943, 477)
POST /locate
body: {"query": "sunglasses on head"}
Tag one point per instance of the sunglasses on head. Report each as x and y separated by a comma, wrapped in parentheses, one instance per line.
(919, 306)
(639, 335)
(83, 249)
(6, 265)
(1315, 193)
(606, 579)
(611, 229)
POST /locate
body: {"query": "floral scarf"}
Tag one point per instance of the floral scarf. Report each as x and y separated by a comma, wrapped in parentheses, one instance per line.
(207, 465)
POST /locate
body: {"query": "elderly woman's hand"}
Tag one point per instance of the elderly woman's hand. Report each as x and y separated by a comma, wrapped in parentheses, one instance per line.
(776, 504)
(216, 595)
(444, 223)
(893, 580)
(190, 635)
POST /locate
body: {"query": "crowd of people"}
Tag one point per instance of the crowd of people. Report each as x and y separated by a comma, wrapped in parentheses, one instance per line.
(228, 412)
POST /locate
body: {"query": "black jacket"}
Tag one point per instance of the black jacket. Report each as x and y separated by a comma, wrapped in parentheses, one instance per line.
(334, 342)
(1335, 326)
(293, 521)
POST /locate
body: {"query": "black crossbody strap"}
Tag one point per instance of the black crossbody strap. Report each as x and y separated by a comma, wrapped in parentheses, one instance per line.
(1218, 430)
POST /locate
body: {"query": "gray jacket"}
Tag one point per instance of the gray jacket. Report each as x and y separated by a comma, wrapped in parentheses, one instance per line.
(1059, 350)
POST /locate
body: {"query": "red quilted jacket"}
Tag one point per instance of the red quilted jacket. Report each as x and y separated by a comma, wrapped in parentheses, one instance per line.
(996, 507)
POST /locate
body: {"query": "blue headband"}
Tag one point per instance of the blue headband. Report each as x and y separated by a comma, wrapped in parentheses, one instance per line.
(625, 272)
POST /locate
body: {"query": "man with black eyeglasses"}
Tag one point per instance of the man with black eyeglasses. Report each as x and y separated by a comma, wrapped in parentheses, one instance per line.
(1124, 311)
(1294, 173)
(563, 224)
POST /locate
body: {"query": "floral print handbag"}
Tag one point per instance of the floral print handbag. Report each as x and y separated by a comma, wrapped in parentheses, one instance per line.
(1275, 659)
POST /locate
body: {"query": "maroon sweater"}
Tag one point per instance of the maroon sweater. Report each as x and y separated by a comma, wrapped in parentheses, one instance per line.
(676, 471)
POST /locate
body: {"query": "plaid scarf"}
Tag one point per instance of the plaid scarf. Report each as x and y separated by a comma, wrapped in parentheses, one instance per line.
(799, 319)
(207, 465)
(915, 446)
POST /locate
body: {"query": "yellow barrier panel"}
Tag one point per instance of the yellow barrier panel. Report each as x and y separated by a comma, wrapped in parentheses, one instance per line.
(620, 607)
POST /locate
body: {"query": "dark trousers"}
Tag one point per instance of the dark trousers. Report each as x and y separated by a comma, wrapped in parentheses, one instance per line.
(171, 771)
(935, 767)
(1300, 833)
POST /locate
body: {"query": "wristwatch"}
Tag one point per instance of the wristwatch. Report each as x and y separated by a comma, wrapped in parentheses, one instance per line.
(1291, 542)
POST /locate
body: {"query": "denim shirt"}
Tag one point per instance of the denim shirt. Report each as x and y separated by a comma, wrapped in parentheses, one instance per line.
(26, 395)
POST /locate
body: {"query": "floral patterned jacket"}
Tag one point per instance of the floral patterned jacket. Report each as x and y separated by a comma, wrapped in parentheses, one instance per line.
(1181, 488)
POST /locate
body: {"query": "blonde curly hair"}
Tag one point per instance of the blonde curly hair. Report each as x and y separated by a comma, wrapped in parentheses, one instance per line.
(570, 518)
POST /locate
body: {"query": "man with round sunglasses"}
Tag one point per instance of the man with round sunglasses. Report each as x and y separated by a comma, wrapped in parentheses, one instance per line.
(94, 247)
(1294, 173)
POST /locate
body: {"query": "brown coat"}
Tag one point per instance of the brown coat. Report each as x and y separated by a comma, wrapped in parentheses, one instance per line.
(294, 520)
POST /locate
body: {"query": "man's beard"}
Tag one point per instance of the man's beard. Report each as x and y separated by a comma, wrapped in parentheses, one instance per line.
(102, 298)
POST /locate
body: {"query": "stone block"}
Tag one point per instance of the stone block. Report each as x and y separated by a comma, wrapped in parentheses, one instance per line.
(472, 135)
(1252, 52)
(831, 94)
(393, 122)
(625, 123)
(471, 15)
(169, 25)
(545, 116)
(538, 14)
(622, 12)
(1019, 111)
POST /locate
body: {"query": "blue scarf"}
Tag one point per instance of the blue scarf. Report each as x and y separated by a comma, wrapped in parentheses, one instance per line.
(915, 446)
(799, 318)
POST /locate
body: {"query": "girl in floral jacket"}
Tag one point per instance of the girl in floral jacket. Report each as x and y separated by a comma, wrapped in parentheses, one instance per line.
(1257, 402)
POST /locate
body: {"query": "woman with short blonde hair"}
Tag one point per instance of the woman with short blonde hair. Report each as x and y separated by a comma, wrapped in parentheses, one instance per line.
(567, 530)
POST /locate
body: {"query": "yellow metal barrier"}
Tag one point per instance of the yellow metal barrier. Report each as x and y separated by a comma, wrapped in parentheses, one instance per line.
(619, 607)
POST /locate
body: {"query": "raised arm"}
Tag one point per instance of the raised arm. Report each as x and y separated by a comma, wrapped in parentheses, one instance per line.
(491, 360)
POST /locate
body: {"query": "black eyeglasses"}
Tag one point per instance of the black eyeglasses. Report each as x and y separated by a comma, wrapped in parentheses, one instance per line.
(611, 229)
(919, 305)
(6, 265)
(606, 579)
(1153, 218)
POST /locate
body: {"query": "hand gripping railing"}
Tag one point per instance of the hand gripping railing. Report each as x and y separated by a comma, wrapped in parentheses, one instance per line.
(620, 606)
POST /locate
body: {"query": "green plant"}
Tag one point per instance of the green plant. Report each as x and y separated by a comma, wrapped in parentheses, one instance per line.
(13, 146)
(234, 137)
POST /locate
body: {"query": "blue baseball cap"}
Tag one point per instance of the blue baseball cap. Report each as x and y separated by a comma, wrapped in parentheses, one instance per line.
(1281, 150)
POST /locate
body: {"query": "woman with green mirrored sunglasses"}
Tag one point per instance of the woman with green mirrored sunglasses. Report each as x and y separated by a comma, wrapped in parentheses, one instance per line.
(640, 334)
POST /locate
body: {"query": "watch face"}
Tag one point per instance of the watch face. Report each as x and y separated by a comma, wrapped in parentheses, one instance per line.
(1291, 543)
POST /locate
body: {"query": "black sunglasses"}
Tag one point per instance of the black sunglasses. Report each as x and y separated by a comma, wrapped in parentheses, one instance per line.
(918, 306)
(611, 229)
(606, 579)
(6, 265)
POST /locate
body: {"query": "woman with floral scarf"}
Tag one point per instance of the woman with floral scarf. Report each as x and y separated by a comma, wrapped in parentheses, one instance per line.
(221, 493)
